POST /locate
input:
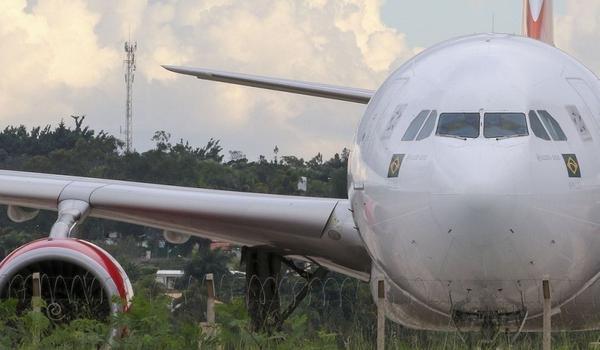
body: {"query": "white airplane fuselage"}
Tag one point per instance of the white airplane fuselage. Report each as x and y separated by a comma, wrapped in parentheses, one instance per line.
(473, 225)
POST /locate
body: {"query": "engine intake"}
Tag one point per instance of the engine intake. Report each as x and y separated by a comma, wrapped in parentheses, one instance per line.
(78, 279)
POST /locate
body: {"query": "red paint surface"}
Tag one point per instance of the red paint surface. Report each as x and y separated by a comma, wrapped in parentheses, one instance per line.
(534, 28)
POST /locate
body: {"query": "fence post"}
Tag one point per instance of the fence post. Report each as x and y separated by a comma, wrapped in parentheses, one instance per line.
(209, 328)
(380, 315)
(547, 317)
(36, 298)
(210, 303)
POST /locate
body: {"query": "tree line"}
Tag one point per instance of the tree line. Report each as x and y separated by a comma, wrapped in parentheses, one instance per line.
(81, 151)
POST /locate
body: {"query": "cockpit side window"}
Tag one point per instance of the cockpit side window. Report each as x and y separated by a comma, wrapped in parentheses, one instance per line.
(428, 126)
(504, 125)
(415, 126)
(537, 127)
(552, 126)
(460, 125)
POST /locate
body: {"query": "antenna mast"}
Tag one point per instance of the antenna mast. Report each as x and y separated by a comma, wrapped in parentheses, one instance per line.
(130, 48)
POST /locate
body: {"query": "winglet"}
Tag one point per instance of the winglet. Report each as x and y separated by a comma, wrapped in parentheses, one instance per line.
(298, 87)
(538, 21)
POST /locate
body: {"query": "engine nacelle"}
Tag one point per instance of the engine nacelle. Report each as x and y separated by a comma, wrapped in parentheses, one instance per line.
(21, 214)
(78, 279)
(176, 237)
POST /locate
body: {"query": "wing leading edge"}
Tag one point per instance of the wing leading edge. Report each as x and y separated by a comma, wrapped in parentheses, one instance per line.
(317, 229)
(298, 87)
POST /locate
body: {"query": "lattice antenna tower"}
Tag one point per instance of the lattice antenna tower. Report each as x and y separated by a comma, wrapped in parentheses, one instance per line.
(130, 48)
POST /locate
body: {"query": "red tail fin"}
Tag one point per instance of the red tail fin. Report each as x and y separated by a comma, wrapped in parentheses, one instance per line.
(538, 21)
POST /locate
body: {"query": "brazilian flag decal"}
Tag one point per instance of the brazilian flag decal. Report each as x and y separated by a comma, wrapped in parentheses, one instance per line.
(572, 165)
(395, 163)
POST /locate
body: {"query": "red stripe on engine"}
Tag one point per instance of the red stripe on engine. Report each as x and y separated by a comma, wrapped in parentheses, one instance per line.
(112, 269)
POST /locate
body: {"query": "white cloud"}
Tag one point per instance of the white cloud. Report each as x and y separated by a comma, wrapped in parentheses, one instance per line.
(577, 32)
(380, 45)
(51, 47)
(72, 50)
(130, 13)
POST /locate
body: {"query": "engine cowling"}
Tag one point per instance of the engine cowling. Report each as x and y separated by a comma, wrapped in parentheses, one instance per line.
(78, 279)
(176, 237)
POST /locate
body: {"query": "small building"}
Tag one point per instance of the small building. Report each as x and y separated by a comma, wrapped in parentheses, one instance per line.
(168, 277)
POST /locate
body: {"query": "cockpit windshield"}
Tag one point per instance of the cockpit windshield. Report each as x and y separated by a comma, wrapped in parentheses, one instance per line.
(504, 125)
(459, 125)
(552, 126)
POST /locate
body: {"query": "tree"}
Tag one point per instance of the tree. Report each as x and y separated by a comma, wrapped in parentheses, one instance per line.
(237, 156)
(78, 121)
(207, 261)
(212, 150)
(162, 139)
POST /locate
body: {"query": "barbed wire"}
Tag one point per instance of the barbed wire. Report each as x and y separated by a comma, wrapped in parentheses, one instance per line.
(64, 297)
(84, 293)
(328, 291)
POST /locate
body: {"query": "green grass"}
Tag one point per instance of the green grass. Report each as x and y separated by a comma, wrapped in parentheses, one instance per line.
(150, 325)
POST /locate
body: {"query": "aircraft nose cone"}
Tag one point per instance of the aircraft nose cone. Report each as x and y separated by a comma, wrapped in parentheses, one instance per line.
(478, 192)
(488, 169)
(481, 205)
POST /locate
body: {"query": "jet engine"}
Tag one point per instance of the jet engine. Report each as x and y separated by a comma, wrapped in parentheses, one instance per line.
(77, 279)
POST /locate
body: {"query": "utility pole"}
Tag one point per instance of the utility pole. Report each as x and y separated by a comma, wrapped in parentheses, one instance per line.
(130, 48)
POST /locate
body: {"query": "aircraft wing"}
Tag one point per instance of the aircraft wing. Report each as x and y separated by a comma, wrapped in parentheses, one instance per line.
(298, 87)
(316, 229)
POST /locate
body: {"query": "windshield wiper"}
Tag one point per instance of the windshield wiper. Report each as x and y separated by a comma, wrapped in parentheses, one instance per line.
(454, 136)
(509, 136)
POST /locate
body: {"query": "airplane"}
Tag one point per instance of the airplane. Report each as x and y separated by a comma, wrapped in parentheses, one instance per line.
(473, 186)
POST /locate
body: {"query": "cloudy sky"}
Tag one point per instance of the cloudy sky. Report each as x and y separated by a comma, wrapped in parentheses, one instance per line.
(64, 57)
